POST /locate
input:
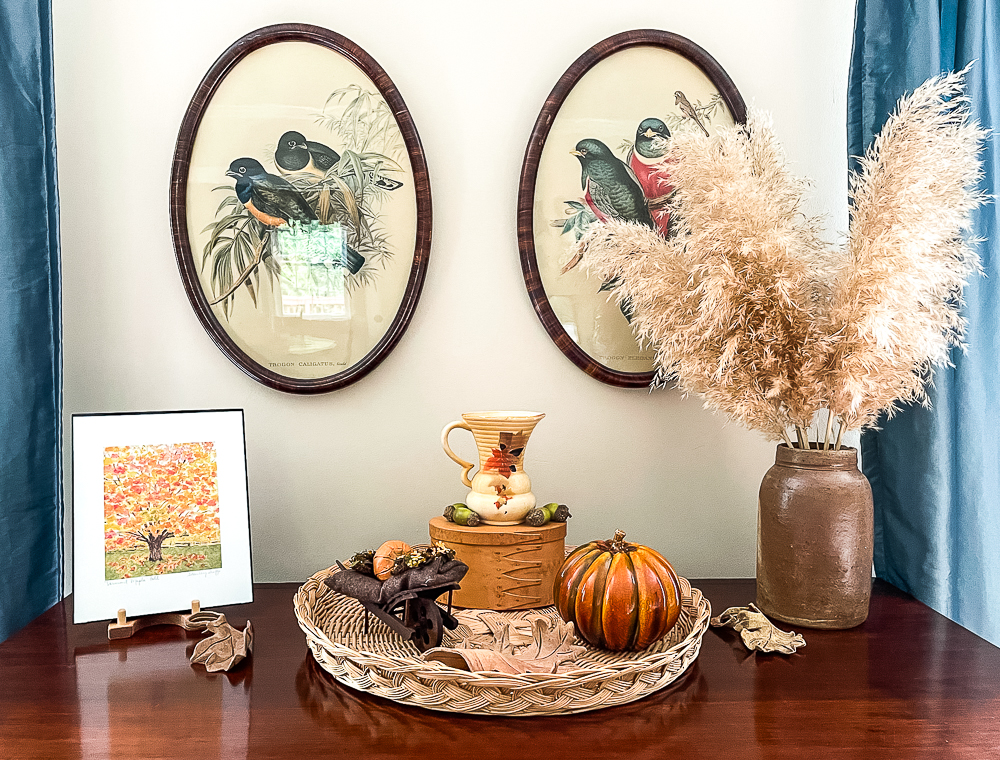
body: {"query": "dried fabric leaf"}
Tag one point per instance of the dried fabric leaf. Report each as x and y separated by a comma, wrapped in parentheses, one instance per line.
(551, 646)
(757, 632)
(225, 647)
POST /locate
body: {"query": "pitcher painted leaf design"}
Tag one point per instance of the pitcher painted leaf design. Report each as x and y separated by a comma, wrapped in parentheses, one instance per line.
(502, 461)
(507, 454)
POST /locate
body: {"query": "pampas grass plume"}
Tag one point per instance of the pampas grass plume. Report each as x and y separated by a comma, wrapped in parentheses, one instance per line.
(749, 309)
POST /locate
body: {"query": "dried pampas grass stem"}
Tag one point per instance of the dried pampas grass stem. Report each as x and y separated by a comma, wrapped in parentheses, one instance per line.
(750, 310)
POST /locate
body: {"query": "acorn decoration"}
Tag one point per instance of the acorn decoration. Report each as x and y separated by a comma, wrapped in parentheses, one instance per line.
(462, 515)
(551, 512)
(619, 595)
(537, 517)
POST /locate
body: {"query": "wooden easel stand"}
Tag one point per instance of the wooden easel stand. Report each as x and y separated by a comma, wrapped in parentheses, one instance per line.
(193, 621)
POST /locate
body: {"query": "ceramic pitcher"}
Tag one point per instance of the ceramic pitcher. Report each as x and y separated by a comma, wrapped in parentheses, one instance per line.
(501, 489)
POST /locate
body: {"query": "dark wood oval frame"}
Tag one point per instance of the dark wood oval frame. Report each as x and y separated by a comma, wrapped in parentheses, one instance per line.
(270, 35)
(529, 170)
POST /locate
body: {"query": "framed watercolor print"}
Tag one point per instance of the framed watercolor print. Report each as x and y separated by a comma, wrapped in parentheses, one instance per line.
(594, 153)
(160, 512)
(300, 208)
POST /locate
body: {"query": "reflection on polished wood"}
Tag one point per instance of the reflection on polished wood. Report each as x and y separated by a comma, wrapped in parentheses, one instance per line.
(906, 684)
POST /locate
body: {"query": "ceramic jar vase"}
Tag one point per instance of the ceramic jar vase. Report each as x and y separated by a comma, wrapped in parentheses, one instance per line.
(814, 539)
(501, 490)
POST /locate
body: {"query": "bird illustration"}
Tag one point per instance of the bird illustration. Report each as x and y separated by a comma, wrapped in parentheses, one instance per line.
(611, 191)
(652, 171)
(688, 110)
(273, 201)
(297, 154)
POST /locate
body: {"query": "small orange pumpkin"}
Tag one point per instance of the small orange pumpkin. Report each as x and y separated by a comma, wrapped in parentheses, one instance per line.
(618, 595)
(385, 557)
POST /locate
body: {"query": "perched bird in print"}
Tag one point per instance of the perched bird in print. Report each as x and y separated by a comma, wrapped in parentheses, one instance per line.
(610, 188)
(611, 191)
(273, 201)
(652, 171)
(297, 154)
(688, 110)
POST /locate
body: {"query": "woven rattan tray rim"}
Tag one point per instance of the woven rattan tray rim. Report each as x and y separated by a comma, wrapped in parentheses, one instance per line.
(408, 679)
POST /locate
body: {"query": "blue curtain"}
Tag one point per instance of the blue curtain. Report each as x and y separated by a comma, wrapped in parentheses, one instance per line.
(30, 379)
(935, 472)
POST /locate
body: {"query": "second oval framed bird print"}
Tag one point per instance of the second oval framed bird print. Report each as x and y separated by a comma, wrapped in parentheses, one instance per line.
(594, 154)
(300, 208)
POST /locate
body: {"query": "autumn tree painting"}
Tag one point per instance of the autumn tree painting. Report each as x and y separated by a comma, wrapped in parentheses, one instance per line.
(161, 509)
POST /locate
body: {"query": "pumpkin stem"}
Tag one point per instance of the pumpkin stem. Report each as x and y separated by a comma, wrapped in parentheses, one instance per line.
(618, 542)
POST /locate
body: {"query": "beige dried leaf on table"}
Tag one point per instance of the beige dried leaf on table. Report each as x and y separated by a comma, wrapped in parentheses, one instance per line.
(225, 648)
(758, 633)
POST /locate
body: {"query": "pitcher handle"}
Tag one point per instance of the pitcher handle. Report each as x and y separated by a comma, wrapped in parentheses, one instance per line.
(466, 466)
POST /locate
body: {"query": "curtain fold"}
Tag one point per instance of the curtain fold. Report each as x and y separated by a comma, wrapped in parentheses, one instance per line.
(30, 372)
(935, 472)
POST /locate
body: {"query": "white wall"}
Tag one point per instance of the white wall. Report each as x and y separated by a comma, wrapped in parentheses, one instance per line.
(343, 471)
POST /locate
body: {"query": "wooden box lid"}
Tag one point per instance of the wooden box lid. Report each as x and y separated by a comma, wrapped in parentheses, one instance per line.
(495, 535)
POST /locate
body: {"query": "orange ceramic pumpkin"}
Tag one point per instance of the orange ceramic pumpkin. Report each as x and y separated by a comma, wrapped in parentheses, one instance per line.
(618, 595)
(385, 558)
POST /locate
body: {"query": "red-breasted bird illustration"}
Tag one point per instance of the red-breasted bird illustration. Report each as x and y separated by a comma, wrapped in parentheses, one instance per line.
(652, 171)
(688, 110)
(273, 201)
(297, 154)
(611, 191)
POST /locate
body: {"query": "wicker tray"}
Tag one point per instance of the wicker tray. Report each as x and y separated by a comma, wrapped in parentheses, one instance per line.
(381, 663)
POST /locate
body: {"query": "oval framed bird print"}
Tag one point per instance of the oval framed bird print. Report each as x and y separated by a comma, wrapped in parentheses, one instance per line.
(594, 154)
(300, 208)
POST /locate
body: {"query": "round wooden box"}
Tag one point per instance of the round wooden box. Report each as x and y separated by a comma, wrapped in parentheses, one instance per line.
(511, 567)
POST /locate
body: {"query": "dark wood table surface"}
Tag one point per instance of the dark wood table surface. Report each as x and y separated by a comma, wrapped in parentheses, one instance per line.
(906, 684)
